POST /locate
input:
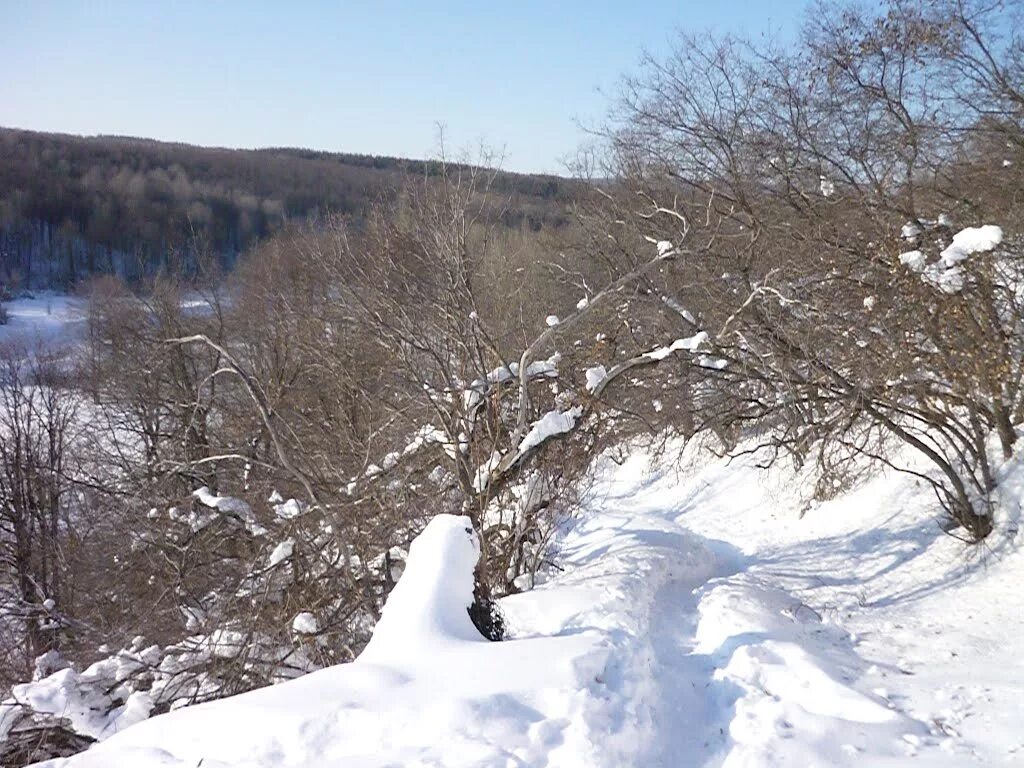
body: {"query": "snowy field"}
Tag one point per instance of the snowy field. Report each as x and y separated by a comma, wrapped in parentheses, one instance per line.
(45, 319)
(699, 620)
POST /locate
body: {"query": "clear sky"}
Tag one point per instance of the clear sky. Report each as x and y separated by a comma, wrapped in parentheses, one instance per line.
(368, 77)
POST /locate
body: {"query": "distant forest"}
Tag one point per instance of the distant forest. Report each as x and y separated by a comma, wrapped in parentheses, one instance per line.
(73, 206)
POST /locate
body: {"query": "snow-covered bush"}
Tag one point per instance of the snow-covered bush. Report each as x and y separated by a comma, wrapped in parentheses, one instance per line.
(858, 264)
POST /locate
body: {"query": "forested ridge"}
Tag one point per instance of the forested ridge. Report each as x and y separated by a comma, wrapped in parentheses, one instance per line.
(73, 206)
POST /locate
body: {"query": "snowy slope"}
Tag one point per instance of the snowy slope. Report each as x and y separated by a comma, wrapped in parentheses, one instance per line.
(698, 621)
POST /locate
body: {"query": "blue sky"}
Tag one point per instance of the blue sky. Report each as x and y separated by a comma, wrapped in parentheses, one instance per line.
(369, 77)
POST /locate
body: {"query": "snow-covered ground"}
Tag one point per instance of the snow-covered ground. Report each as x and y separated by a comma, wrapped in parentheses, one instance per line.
(44, 319)
(699, 620)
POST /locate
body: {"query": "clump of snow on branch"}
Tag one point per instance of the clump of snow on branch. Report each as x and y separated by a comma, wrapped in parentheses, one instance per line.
(948, 273)
(282, 552)
(689, 344)
(595, 376)
(229, 507)
(547, 426)
(305, 623)
(971, 240)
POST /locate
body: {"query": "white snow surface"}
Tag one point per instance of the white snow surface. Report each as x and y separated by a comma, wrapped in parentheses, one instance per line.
(46, 319)
(549, 425)
(971, 240)
(305, 623)
(915, 261)
(706, 614)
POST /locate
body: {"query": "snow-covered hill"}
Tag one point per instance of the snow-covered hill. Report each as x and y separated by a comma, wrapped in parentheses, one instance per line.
(700, 619)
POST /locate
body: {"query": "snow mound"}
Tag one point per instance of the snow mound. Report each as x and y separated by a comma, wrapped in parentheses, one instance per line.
(429, 690)
(428, 607)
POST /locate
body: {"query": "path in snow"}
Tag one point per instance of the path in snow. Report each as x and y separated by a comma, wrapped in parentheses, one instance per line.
(743, 672)
(859, 634)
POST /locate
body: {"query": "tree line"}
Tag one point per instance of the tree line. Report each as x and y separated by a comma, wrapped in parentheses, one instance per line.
(72, 207)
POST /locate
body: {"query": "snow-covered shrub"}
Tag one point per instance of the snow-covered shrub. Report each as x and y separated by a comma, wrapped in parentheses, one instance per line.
(857, 263)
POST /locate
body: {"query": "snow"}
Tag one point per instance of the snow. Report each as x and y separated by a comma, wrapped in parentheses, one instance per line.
(551, 321)
(665, 248)
(281, 552)
(483, 472)
(946, 280)
(828, 187)
(706, 611)
(228, 506)
(427, 609)
(305, 623)
(81, 698)
(971, 240)
(288, 510)
(550, 424)
(595, 376)
(689, 344)
(679, 309)
(474, 394)
(44, 318)
(915, 261)
(948, 273)
(910, 230)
